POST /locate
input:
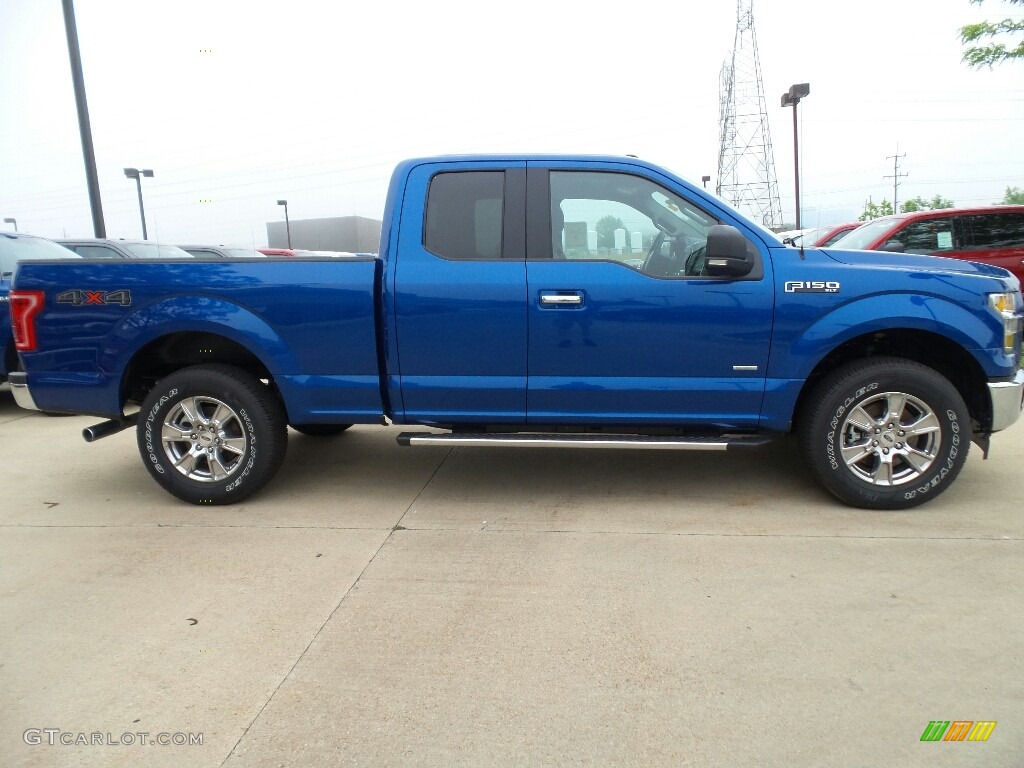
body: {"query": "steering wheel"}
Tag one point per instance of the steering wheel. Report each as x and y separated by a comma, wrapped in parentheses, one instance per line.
(655, 249)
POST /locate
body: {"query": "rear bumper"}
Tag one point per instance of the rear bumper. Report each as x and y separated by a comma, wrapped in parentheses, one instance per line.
(19, 388)
(1007, 401)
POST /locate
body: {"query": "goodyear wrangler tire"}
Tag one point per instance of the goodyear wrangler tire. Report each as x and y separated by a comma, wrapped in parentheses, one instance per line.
(212, 434)
(885, 433)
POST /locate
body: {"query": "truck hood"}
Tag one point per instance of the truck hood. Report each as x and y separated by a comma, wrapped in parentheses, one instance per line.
(915, 262)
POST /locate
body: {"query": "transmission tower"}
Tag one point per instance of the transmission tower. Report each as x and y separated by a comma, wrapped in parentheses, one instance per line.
(746, 166)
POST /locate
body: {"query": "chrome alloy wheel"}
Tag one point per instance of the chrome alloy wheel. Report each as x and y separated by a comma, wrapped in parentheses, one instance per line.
(204, 438)
(890, 438)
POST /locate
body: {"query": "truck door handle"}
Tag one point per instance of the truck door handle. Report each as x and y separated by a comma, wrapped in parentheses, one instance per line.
(561, 299)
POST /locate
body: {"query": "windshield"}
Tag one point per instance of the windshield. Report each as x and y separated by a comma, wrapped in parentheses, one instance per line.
(154, 251)
(859, 239)
(772, 237)
(15, 247)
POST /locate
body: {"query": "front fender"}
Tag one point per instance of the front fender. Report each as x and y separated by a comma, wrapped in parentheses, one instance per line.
(798, 347)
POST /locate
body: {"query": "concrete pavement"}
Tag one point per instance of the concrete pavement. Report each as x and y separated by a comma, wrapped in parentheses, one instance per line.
(387, 606)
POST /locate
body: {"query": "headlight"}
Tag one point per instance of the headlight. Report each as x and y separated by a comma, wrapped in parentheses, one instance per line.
(1004, 305)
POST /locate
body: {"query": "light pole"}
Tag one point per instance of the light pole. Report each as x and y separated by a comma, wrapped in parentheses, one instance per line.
(12, 221)
(287, 224)
(84, 127)
(790, 99)
(135, 173)
(705, 179)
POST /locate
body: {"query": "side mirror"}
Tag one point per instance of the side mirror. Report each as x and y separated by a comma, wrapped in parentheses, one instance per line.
(727, 254)
(894, 246)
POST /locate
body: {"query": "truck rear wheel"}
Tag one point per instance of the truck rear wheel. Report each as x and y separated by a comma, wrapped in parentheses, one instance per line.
(212, 434)
(885, 433)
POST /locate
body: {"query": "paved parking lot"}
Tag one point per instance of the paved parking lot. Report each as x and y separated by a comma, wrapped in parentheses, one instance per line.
(385, 606)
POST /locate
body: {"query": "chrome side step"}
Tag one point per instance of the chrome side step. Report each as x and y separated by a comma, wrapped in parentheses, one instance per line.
(536, 440)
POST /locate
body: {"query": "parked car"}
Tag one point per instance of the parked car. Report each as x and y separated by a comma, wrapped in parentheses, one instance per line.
(97, 248)
(15, 247)
(991, 235)
(332, 254)
(826, 236)
(223, 252)
(817, 237)
(301, 253)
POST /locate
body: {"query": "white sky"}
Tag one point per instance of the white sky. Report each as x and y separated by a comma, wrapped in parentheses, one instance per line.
(315, 101)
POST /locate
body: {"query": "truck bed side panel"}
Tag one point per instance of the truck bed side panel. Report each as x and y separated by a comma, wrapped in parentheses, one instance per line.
(310, 322)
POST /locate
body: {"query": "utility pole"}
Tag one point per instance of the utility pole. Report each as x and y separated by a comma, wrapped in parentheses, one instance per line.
(896, 176)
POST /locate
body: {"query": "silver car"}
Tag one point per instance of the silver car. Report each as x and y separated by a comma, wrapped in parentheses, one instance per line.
(97, 248)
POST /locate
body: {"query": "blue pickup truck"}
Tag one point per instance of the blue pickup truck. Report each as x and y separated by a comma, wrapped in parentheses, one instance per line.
(584, 302)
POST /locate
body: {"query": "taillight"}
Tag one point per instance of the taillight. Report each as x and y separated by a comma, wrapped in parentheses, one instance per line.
(25, 305)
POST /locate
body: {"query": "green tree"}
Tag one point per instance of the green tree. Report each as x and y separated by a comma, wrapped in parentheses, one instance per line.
(874, 210)
(605, 229)
(1013, 196)
(984, 50)
(920, 204)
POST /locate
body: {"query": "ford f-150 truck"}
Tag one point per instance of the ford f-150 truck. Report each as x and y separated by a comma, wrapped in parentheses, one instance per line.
(588, 302)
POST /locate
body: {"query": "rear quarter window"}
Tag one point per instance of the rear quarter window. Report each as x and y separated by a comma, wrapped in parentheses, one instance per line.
(95, 252)
(995, 230)
(464, 215)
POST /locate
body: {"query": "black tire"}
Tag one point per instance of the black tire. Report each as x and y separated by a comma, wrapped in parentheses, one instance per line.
(848, 433)
(320, 430)
(232, 429)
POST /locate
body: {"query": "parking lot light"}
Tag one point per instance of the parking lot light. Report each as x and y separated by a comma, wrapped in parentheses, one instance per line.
(790, 99)
(135, 173)
(287, 224)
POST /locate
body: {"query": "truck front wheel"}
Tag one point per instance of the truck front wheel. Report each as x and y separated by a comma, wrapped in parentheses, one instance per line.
(212, 434)
(885, 433)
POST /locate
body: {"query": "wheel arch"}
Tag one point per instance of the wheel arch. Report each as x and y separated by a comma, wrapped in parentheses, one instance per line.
(182, 349)
(182, 331)
(934, 350)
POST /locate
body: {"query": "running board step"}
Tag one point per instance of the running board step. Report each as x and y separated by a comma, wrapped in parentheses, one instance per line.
(527, 440)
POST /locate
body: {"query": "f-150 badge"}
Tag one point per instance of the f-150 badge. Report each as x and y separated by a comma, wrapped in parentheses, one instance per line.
(812, 286)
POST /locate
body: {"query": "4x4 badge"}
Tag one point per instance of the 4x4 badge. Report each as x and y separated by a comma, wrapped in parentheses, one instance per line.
(77, 298)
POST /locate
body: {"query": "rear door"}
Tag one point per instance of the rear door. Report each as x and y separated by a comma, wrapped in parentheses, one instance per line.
(460, 294)
(624, 327)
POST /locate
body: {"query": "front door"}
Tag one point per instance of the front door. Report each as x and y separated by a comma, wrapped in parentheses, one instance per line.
(624, 326)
